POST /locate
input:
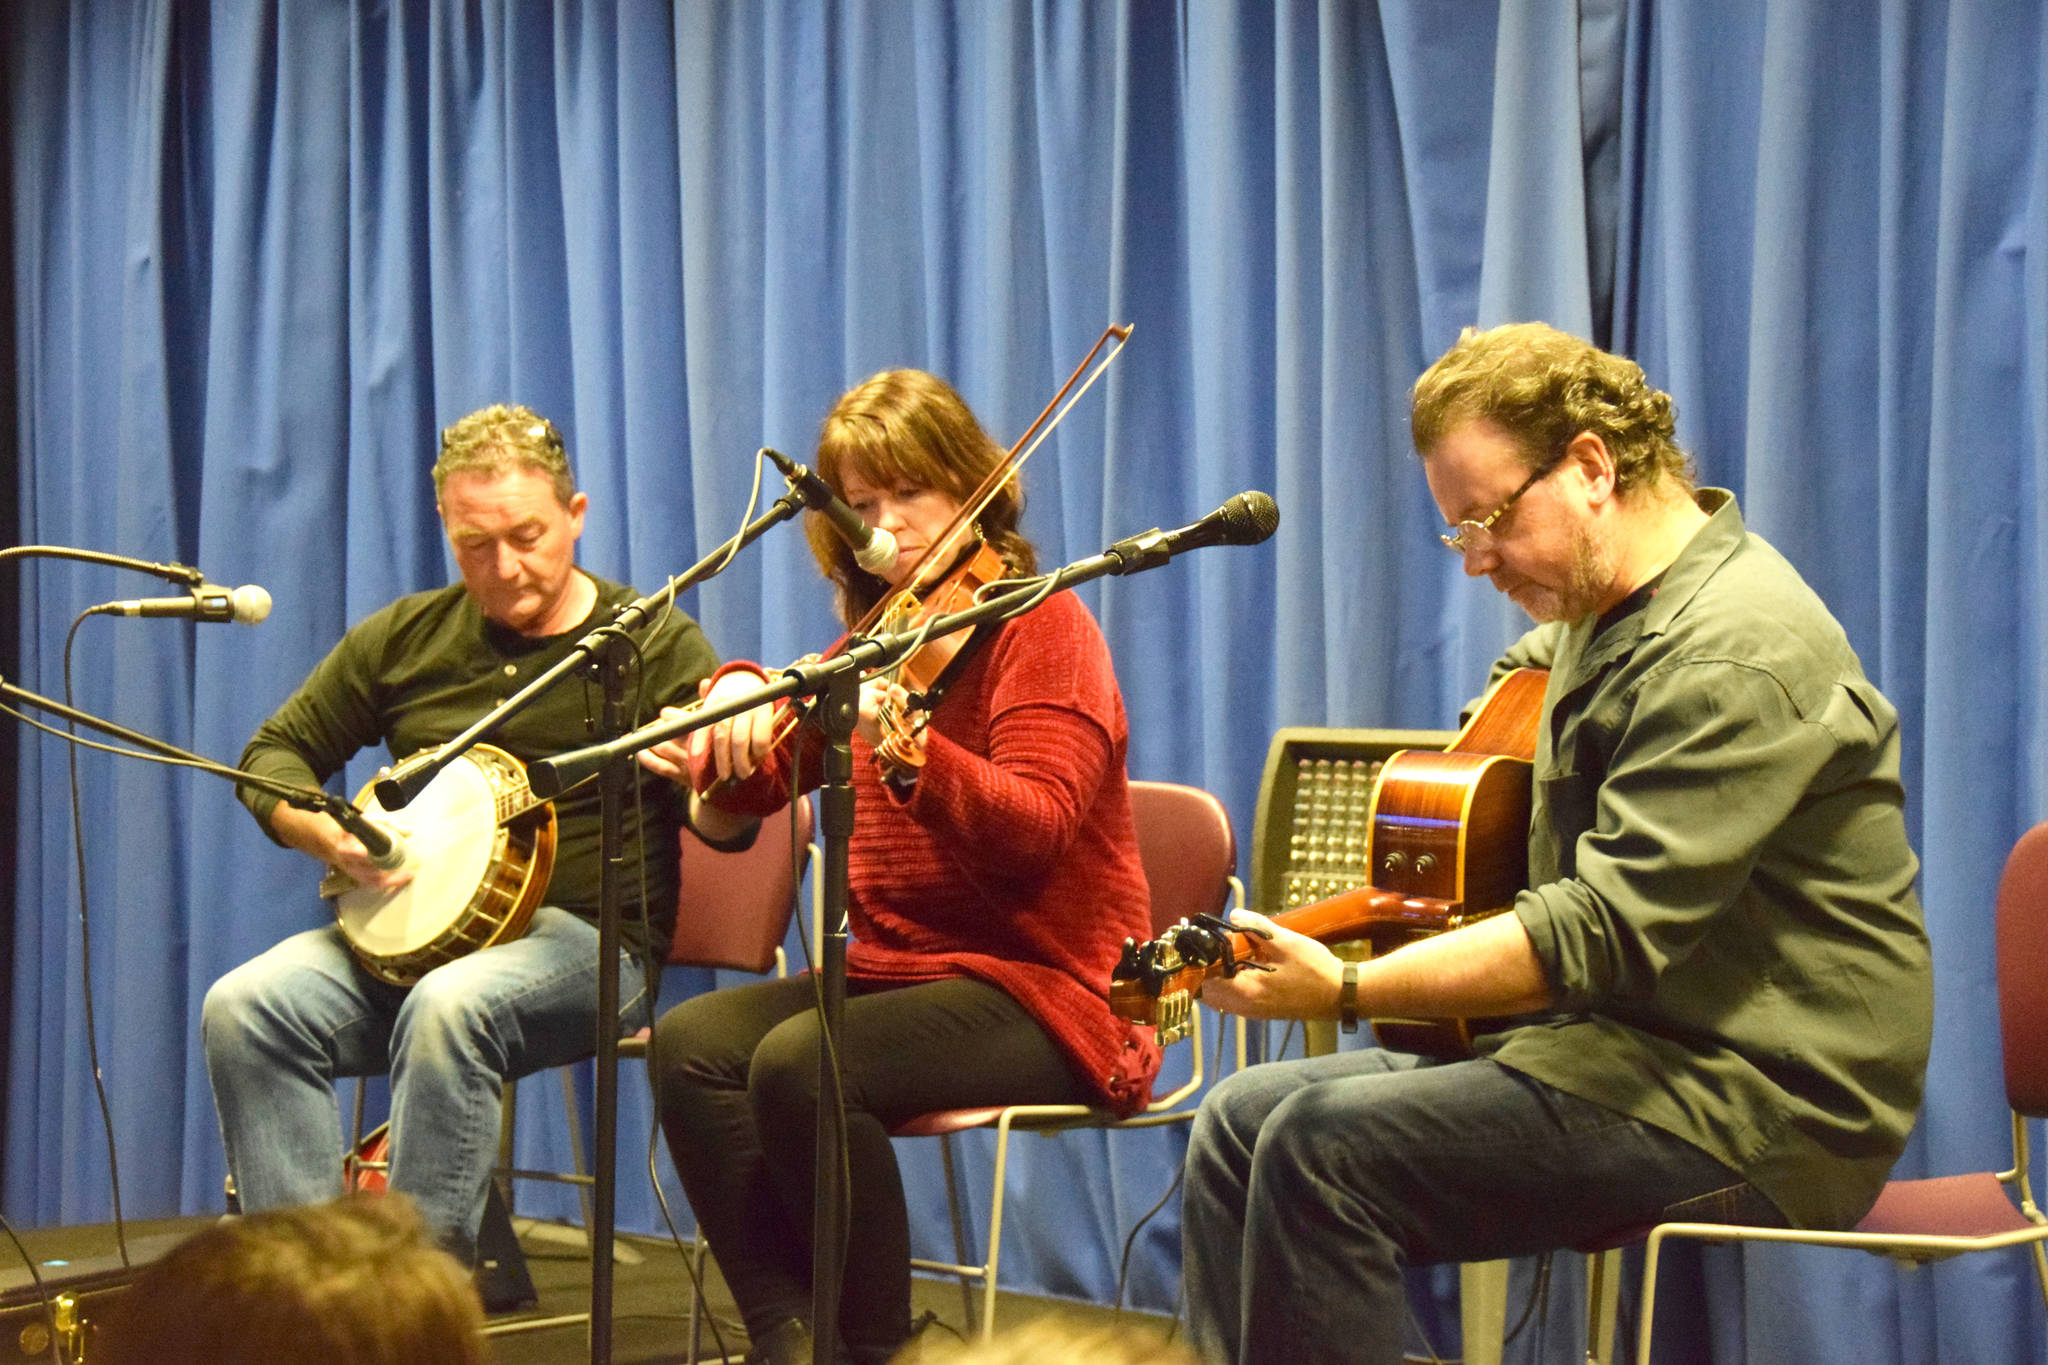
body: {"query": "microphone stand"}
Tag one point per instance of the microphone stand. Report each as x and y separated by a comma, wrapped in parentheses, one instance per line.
(305, 798)
(837, 680)
(609, 653)
(174, 573)
(397, 786)
(868, 654)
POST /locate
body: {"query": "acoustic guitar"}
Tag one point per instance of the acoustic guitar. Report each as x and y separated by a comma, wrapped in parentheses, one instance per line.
(1448, 844)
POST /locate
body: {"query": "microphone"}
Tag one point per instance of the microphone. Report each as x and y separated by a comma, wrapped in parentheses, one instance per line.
(247, 604)
(1246, 519)
(385, 850)
(873, 548)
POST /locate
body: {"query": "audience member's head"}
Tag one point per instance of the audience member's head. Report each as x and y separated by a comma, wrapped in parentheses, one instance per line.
(354, 1282)
(1057, 1338)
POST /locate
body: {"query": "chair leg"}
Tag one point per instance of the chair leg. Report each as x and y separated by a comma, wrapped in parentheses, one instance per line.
(1651, 1249)
(2040, 1268)
(698, 1247)
(508, 1120)
(570, 1108)
(355, 1140)
(1603, 1304)
(958, 1212)
(1482, 1310)
(995, 1228)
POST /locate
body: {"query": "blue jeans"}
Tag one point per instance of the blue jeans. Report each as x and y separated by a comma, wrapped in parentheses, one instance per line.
(1312, 1184)
(279, 1028)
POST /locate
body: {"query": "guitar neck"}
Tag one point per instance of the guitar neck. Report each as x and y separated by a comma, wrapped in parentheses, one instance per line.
(1449, 830)
(1358, 914)
(1367, 913)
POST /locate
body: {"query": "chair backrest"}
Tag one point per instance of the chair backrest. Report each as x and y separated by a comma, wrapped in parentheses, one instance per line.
(733, 909)
(2023, 972)
(1188, 849)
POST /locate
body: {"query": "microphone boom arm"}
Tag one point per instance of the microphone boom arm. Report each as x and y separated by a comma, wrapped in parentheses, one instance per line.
(172, 573)
(375, 840)
(868, 654)
(398, 786)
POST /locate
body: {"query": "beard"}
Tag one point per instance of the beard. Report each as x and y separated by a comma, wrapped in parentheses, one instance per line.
(1589, 576)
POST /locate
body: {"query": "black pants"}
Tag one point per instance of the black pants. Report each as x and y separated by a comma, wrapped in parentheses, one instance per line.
(736, 1073)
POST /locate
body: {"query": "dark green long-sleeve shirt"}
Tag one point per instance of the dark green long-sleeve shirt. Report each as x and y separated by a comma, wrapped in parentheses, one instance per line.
(1722, 888)
(424, 668)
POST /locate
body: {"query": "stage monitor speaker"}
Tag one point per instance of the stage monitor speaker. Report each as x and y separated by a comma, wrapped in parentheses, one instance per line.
(1315, 805)
(82, 1279)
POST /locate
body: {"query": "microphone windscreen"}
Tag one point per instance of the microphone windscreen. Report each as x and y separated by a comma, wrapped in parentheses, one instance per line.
(249, 604)
(1249, 518)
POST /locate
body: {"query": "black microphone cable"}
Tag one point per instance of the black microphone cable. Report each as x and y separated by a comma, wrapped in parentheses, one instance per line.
(92, 1042)
(42, 1291)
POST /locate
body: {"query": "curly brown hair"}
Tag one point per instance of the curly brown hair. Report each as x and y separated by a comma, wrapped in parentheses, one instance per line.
(909, 427)
(1541, 387)
(351, 1282)
(502, 437)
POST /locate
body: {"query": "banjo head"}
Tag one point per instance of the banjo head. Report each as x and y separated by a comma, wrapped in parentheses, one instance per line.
(451, 835)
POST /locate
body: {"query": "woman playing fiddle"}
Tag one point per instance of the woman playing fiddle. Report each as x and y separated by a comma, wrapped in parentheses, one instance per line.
(994, 875)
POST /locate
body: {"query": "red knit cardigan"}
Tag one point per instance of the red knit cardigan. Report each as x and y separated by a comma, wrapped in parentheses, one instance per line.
(1013, 857)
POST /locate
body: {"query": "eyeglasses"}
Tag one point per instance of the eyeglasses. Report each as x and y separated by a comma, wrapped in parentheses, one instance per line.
(1476, 537)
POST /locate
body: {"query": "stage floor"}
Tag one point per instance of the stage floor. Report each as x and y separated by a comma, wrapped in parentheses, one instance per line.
(650, 1298)
(650, 1305)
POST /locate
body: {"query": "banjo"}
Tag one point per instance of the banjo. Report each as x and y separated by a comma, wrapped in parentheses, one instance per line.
(480, 848)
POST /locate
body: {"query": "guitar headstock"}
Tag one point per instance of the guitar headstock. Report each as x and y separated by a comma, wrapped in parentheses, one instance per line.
(1157, 983)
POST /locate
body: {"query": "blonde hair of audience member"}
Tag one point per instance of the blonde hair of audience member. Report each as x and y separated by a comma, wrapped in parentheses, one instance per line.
(1055, 1338)
(352, 1282)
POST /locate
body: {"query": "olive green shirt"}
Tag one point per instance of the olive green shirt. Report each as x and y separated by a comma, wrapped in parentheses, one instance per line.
(1722, 891)
(423, 669)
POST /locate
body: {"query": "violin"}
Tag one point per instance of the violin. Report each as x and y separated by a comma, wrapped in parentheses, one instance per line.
(952, 573)
(901, 746)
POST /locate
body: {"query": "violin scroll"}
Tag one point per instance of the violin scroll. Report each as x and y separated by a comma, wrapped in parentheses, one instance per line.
(900, 750)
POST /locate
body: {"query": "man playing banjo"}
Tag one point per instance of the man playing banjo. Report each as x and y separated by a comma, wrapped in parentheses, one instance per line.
(278, 1029)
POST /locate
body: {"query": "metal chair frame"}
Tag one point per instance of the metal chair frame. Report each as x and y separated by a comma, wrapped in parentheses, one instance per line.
(1919, 1221)
(1048, 1119)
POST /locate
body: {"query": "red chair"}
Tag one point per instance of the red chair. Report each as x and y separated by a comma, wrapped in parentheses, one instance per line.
(1190, 858)
(1917, 1221)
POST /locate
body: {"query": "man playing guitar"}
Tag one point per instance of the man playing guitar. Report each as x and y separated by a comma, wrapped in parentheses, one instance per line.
(1719, 965)
(278, 1029)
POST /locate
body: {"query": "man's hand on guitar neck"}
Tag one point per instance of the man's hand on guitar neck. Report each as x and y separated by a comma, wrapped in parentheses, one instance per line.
(1485, 969)
(315, 834)
(1301, 984)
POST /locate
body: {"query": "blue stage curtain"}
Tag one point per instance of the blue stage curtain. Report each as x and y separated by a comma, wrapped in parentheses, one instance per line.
(262, 253)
